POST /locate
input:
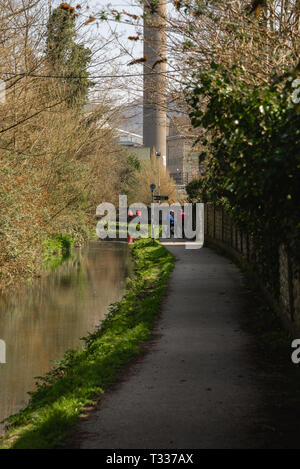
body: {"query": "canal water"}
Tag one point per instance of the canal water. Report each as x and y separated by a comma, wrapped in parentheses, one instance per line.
(39, 323)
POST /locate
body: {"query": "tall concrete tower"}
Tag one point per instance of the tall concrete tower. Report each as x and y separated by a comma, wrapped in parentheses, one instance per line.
(155, 102)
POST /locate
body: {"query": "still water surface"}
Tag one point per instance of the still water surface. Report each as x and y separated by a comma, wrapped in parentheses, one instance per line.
(41, 322)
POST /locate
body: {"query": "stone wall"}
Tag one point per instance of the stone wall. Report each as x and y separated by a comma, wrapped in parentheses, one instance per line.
(221, 231)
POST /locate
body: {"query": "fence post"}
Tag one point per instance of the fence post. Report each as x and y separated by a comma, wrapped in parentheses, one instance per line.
(222, 224)
(214, 222)
(247, 242)
(291, 286)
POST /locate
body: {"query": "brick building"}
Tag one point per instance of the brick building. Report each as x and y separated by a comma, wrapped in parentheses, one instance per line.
(182, 159)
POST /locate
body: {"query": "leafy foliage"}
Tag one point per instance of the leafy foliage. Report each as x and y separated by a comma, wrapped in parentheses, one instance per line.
(253, 156)
(66, 57)
(58, 248)
(193, 189)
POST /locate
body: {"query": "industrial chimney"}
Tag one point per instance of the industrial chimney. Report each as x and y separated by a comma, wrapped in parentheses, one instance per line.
(155, 102)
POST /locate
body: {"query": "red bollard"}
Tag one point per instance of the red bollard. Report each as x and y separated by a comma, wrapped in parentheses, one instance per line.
(130, 240)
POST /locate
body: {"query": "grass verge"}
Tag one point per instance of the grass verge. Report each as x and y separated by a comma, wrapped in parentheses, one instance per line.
(57, 249)
(83, 374)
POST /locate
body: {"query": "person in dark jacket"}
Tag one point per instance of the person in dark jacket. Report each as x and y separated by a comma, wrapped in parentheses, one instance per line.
(171, 218)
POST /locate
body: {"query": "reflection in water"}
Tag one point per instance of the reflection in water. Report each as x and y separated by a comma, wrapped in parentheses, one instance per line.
(41, 322)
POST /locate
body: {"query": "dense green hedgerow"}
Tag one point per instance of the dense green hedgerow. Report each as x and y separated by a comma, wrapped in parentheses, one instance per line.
(252, 157)
(75, 381)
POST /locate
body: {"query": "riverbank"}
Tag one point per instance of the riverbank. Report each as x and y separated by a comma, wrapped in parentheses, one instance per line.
(72, 385)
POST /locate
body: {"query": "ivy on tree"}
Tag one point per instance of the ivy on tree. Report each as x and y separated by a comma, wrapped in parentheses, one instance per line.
(66, 57)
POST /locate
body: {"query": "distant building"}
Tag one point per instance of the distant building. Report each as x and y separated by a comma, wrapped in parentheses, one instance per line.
(134, 144)
(127, 138)
(142, 153)
(182, 159)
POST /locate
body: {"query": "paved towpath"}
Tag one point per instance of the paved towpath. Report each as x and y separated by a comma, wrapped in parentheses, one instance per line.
(200, 384)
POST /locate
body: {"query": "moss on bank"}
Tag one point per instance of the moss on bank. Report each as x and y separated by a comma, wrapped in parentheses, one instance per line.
(83, 374)
(57, 249)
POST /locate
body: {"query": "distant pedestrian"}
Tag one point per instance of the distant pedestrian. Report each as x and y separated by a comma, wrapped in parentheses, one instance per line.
(182, 215)
(171, 218)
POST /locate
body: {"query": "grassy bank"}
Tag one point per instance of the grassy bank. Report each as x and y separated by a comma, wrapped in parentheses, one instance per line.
(57, 249)
(83, 374)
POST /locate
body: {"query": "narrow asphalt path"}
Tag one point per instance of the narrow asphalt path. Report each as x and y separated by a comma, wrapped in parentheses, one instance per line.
(198, 385)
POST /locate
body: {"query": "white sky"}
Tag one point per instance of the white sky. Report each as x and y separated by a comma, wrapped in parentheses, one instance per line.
(128, 88)
(124, 30)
